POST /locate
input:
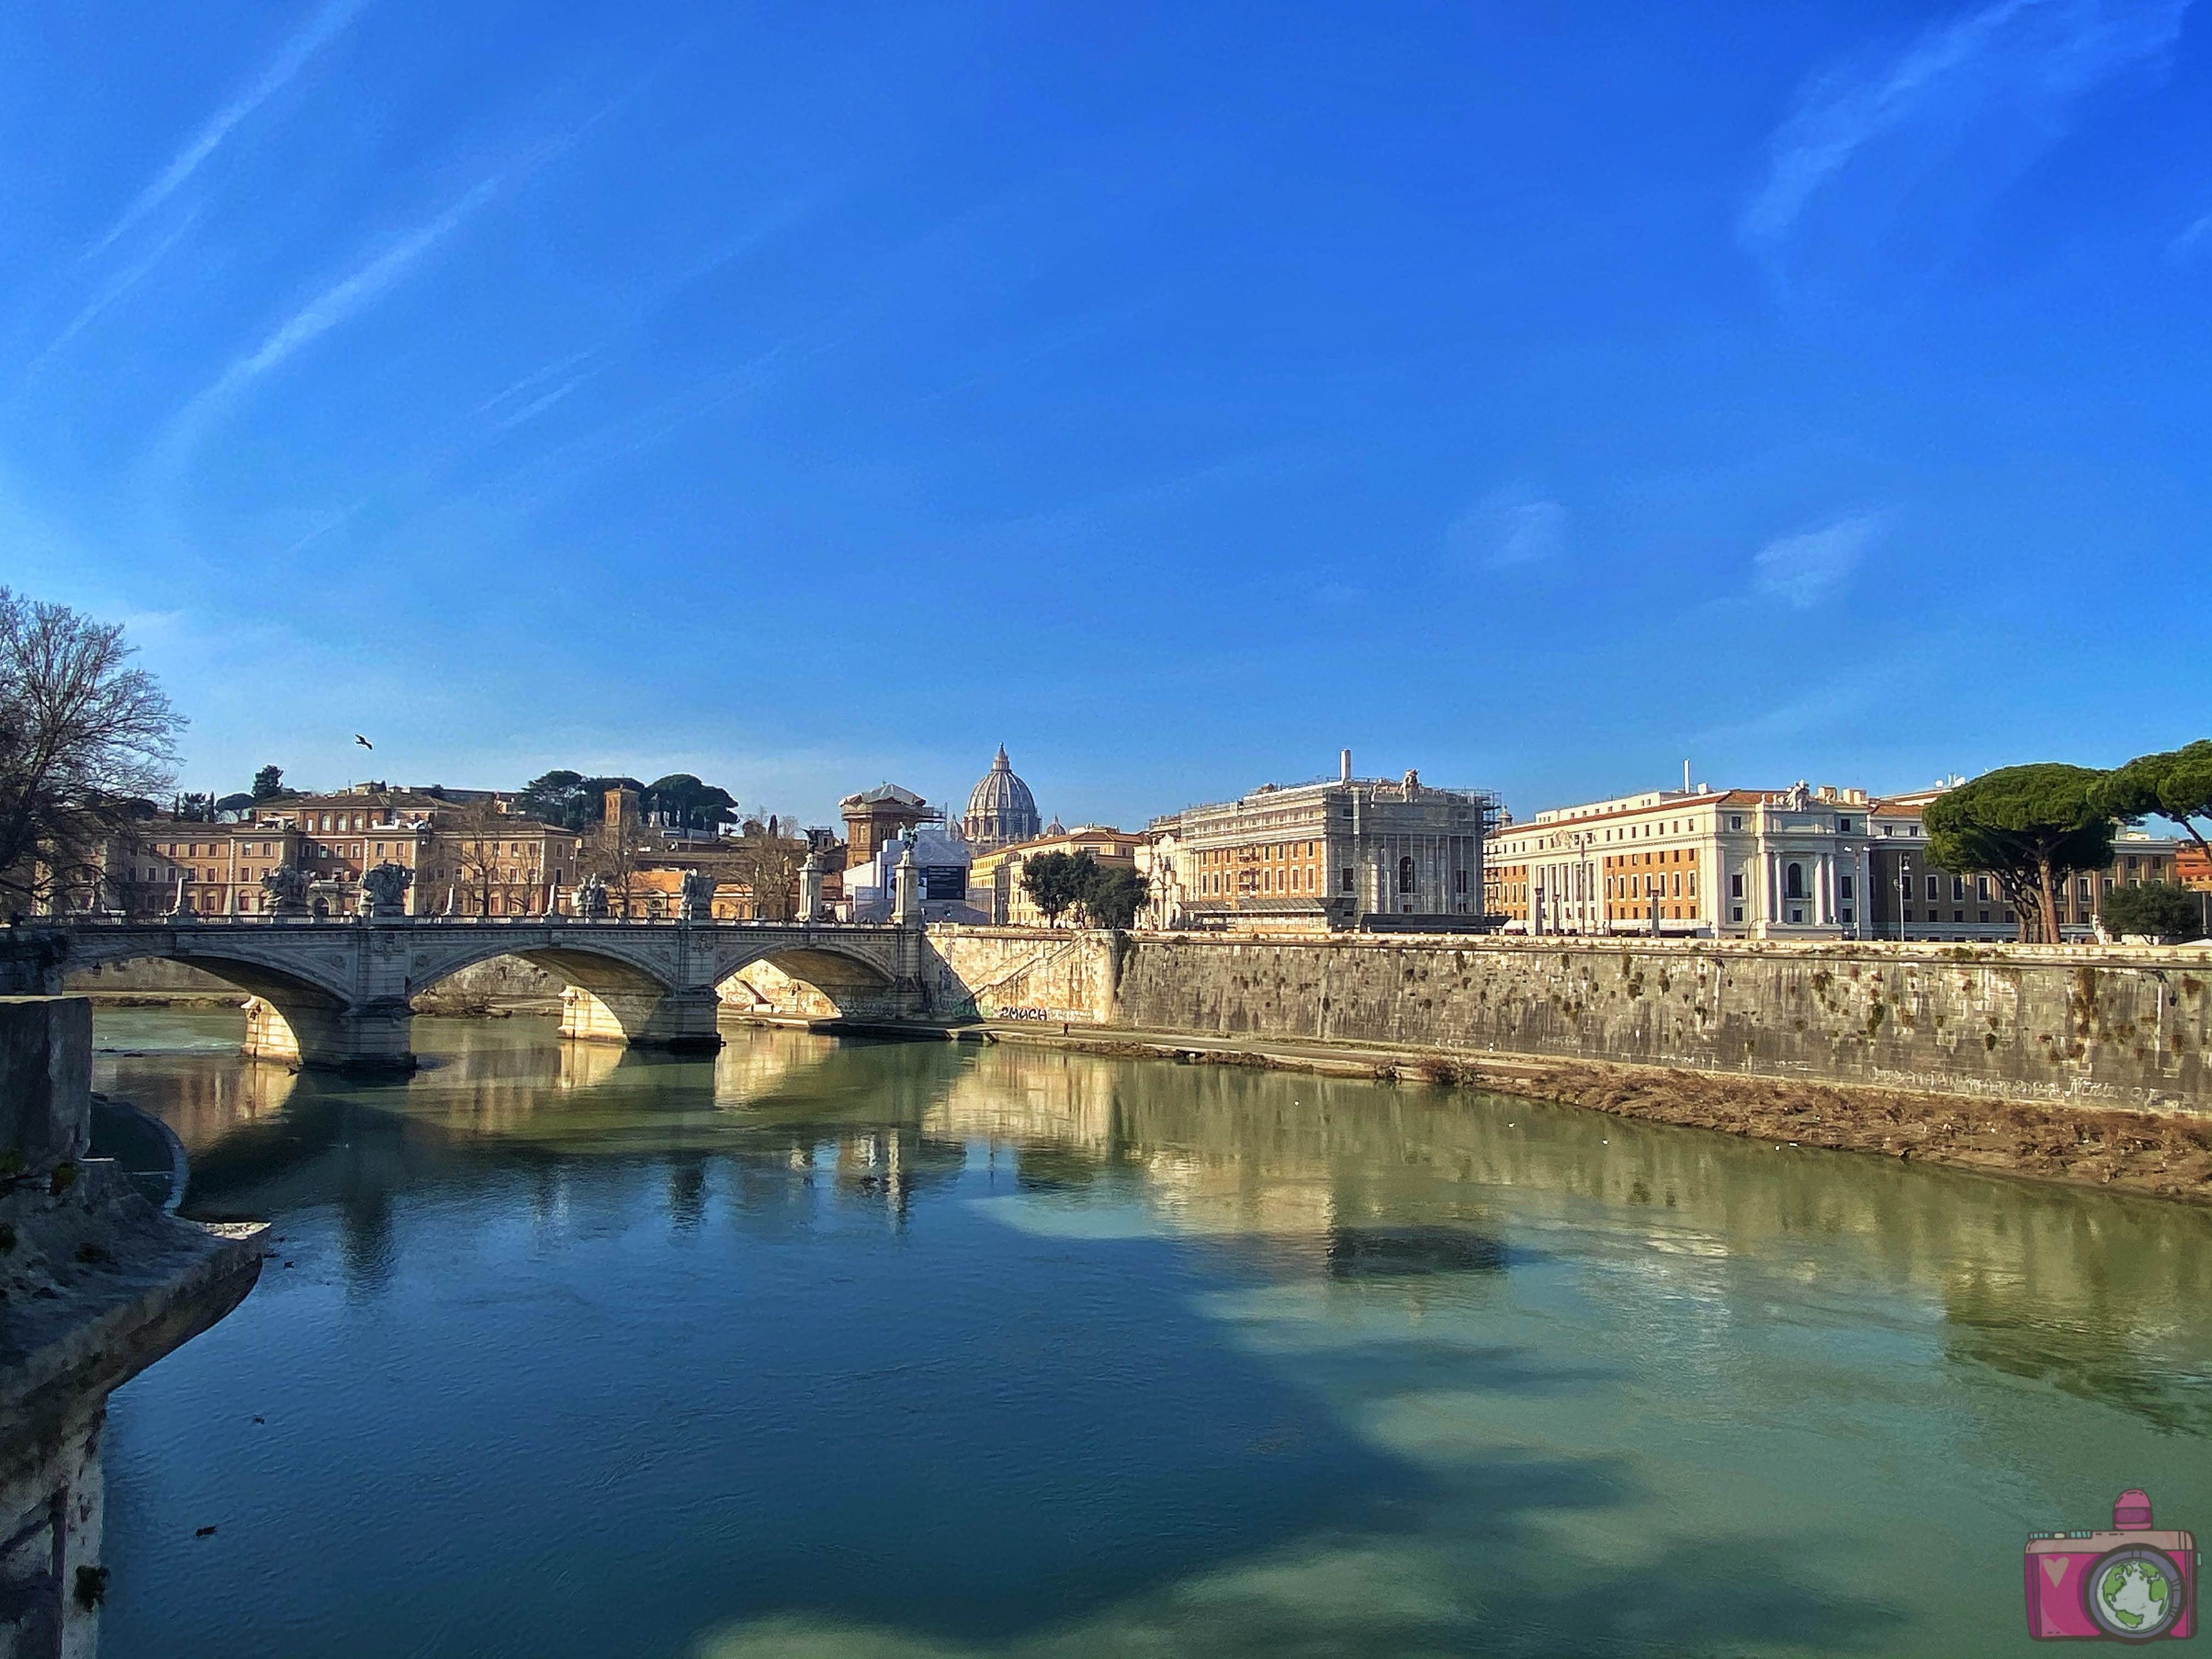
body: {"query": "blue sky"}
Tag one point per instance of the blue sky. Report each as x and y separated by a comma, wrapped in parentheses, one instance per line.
(808, 396)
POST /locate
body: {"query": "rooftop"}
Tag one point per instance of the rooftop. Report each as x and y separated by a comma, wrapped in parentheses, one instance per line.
(884, 794)
(1703, 794)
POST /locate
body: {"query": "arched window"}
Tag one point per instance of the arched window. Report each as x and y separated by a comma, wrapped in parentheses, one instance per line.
(1405, 875)
(1792, 882)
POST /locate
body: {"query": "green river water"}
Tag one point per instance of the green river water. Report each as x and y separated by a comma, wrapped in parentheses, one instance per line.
(919, 1350)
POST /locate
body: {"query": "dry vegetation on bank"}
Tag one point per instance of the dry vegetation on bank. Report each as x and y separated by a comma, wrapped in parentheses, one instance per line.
(2167, 1156)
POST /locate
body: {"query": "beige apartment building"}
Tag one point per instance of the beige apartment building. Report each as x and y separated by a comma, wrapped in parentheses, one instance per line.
(1336, 854)
(147, 871)
(995, 878)
(469, 858)
(1801, 863)
(1728, 863)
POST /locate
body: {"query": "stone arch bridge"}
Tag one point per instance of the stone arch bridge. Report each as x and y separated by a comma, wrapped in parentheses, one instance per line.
(337, 993)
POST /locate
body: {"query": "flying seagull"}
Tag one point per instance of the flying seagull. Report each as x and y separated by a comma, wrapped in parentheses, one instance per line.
(363, 741)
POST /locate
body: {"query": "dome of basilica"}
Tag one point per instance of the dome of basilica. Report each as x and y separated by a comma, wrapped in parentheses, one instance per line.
(1000, 808)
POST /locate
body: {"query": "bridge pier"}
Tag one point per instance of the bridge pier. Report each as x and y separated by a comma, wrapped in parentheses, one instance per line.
(373, 1036)
(682, 1020)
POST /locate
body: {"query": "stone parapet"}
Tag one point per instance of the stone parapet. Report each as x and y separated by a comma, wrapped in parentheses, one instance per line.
(46, 1080)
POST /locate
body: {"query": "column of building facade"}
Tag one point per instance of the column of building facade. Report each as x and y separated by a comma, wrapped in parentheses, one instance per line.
(1769, 877)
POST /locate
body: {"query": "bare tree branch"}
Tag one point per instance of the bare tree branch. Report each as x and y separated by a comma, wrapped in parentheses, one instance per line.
(81, 736)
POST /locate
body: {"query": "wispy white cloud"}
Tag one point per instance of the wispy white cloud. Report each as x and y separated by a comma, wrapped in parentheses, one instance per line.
(1511, 526)
(1822, 710)
(1998, 83)
(111, 290)
(536, 378)
(538, 405)
(569, 465)
(343, 299)
(320, 30)
(2194, 241)
(1801, 570)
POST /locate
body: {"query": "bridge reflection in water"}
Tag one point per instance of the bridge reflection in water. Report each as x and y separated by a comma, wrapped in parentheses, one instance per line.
(922, 1348)
(1291, 1170)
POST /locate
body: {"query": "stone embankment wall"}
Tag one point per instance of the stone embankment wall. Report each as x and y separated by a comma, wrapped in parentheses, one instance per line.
(153, 978)
(1021, 973)
(2125, 1028)
(501, 983)
(97, 1284)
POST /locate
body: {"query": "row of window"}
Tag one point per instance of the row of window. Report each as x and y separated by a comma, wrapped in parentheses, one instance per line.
(1296, 880)
(1661, 855)
(1644, 887)
(1280, 850)
(1845, 825)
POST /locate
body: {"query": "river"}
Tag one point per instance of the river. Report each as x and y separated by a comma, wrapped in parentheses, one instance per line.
(910, 1350)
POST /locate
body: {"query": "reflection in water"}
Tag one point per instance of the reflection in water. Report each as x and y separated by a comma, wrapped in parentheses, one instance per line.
(1406, 1252)
(877, 1349)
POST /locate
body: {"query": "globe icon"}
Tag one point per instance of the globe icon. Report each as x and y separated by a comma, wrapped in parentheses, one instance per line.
(2134, 1594)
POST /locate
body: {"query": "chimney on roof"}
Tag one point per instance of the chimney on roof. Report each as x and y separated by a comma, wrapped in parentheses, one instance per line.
(1344, 766)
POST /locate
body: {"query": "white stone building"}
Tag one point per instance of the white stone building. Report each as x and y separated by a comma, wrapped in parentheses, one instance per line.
(1733, 863)
(1335, 854)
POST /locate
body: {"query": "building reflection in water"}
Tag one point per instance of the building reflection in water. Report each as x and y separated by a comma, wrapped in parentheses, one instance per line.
(1350, 1179)
(687, 1191)
(1324, 1179)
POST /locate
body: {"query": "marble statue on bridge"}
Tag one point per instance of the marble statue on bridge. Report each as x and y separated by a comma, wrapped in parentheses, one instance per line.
(589, 901)
(384, 889)
(698, 896)
(286, 887)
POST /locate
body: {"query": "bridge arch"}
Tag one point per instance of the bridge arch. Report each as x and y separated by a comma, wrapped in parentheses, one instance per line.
(615, 990)
(844, 983)
(300, 1013)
